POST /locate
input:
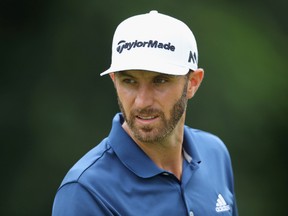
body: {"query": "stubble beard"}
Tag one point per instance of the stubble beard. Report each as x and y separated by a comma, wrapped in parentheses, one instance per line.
(150, 134)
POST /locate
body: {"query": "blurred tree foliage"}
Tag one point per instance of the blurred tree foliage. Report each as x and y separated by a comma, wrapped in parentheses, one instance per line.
(55, 106)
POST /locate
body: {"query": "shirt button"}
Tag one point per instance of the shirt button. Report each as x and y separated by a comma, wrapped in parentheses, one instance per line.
(191, 213)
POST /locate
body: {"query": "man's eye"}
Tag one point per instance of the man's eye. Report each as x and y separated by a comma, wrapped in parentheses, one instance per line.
(129, 81)
(160, 80)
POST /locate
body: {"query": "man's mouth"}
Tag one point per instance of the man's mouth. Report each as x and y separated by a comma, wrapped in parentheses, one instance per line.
(146, 117)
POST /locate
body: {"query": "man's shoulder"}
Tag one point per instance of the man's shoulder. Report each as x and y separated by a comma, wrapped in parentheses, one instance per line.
(206, 141)
(205, 135)
(87, 162)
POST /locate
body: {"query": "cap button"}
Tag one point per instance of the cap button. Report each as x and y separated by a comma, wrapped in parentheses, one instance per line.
(154, 12)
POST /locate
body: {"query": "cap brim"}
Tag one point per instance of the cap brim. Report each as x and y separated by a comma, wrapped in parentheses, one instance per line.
(167, 68)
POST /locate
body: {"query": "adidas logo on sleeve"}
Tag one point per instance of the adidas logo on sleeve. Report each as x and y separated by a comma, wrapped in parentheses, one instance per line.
(221, 204)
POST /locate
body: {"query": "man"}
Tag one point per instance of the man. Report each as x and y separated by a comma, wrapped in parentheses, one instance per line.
(151, 163)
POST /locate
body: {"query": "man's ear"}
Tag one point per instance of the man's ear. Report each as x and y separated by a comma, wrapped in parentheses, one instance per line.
(194, 80)
(112, 76)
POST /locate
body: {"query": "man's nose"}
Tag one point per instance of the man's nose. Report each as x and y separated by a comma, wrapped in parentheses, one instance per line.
(144, 96)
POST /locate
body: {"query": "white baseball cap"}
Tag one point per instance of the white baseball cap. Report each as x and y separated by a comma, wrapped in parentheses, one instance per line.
(153, 42)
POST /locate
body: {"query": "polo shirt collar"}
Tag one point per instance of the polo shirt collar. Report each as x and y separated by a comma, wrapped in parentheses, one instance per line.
(133, 157)
(189, 147)
(130, 154)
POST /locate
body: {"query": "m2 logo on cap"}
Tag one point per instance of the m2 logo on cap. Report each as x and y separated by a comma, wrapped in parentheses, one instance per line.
(192, 57)
(150, 44)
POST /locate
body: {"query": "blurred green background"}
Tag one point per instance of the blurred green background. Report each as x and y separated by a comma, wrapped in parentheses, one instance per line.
(55, 106)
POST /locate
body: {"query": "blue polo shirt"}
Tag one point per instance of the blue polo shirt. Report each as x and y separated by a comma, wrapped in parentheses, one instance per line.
(118, 178)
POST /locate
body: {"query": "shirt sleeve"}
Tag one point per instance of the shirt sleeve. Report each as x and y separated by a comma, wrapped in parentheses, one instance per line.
(74, 199)
(235, 209)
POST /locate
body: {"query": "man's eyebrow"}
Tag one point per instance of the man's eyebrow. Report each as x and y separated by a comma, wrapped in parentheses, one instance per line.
(167, 76)
(123, 73)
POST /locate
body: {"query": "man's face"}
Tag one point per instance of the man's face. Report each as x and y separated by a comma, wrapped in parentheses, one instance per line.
(152, 103)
